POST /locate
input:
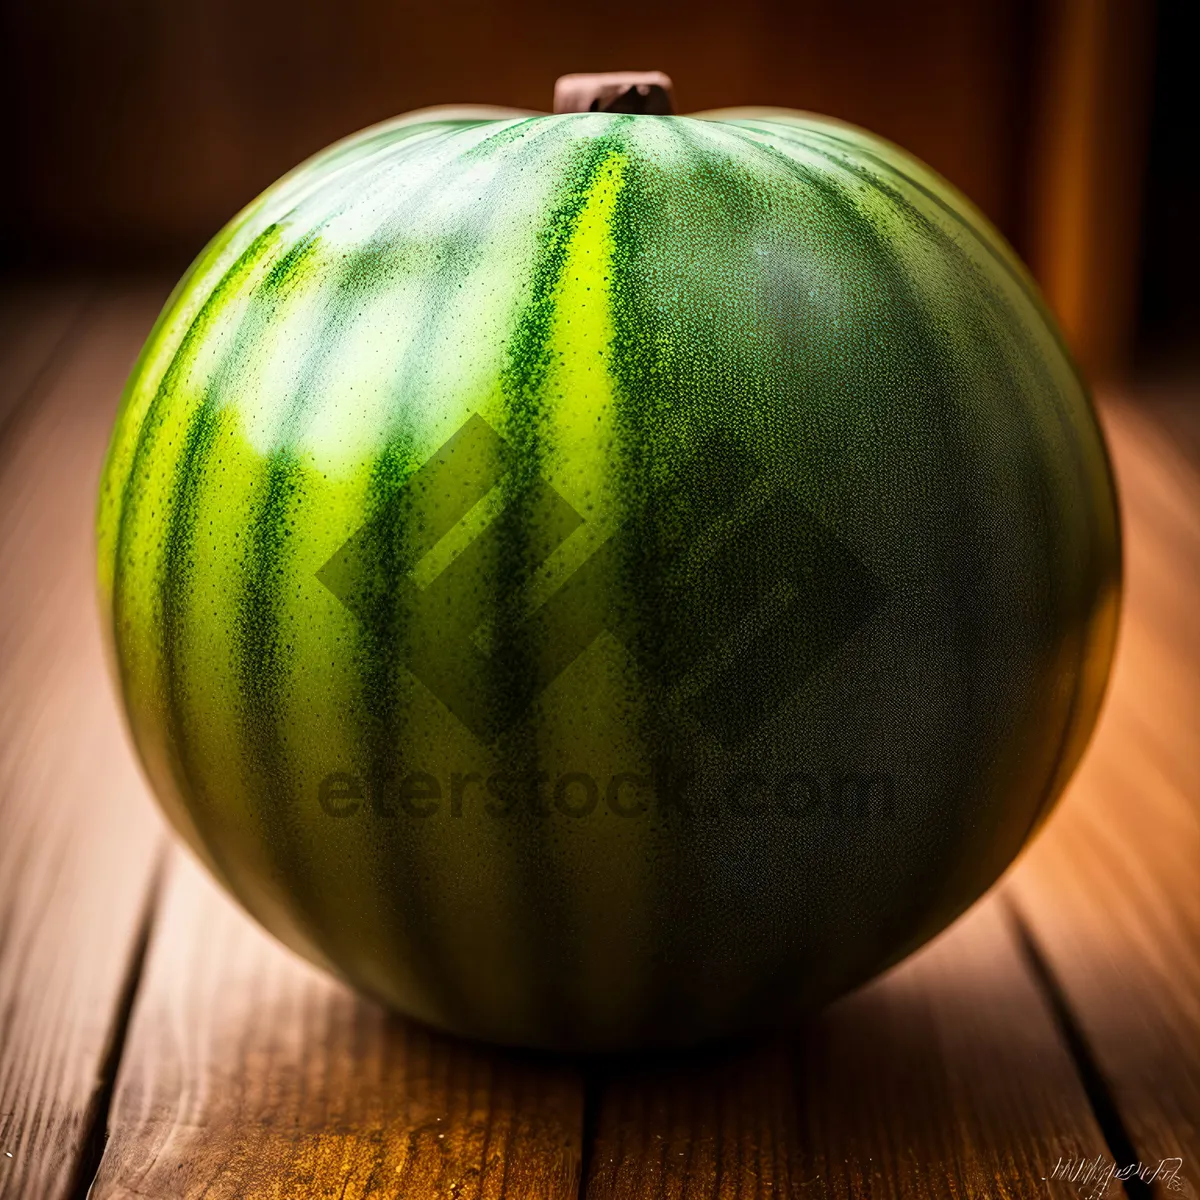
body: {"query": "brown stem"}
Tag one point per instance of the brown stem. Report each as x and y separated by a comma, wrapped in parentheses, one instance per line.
(646, 92)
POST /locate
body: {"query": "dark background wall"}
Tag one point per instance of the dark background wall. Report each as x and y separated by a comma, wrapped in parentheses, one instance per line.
(1168, 326)
(137, 127)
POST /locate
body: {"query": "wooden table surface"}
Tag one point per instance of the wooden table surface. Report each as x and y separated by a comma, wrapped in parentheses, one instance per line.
(153, 1042)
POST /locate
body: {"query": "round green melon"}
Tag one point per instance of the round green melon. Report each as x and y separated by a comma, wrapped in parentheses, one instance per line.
(599, 581)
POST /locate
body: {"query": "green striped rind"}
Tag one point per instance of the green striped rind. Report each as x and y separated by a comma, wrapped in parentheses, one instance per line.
(766, 393)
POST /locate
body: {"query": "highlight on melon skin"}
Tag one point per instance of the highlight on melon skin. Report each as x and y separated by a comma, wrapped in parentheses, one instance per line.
(549, 559)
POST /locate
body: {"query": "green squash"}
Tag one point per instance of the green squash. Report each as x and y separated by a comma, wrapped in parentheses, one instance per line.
(599, 581)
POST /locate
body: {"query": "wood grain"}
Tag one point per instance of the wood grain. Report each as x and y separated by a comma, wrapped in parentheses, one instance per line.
(245, 1073)
(249, 1074)
(716, 1124)
(1111, 892)
(947, 1077)
(78, 836)
(38, 326)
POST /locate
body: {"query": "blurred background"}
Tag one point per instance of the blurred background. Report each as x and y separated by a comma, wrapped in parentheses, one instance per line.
(135, 128)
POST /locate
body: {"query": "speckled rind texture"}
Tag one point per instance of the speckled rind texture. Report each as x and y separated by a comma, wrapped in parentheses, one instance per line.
(599, 581)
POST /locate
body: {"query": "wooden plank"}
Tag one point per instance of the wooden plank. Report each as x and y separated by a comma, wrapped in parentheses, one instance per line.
(250, 1074)
(721, 1124)
(38, 324)
(946, 1077)
(1111, 892)
(246, 1073)
(78, 836)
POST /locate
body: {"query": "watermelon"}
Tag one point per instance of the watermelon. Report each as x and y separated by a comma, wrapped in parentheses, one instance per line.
(606, 580)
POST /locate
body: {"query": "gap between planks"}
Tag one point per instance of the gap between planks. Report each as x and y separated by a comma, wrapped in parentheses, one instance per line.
(1109, 892)
(79, 834)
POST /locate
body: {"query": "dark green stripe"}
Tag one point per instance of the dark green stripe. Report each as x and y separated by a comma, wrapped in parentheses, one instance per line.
(281, 276)
(264, 666)
(174, 596)
(166, 391)
(522, 131)
(399, 866)
(265, 662)
(410, 506)
(179, 548)
(397, 863)
(514, 664)
(268, 667)
(681, 465)
(177, 542)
